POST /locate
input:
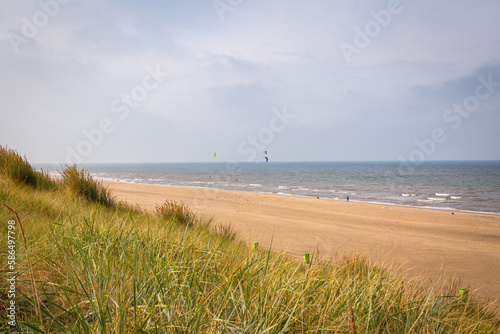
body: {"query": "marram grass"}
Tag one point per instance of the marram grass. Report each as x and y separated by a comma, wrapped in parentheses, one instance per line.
(172, 210)
(18, 169)
(114, 269)
(80, 183)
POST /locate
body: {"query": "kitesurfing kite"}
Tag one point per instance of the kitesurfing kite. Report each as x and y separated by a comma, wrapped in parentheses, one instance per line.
(215, 154)
(267, 159)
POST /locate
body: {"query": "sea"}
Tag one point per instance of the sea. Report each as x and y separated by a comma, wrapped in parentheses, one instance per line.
(448, 185)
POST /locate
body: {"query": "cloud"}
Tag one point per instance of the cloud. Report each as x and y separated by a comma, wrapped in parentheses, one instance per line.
(226, 77)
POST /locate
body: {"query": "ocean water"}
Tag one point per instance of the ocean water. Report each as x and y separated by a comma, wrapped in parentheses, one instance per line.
(458, 185)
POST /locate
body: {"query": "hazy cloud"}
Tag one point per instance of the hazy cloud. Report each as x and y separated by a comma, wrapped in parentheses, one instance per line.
(69, 67)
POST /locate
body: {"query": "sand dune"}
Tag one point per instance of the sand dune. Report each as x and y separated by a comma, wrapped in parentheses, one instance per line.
(432, 243)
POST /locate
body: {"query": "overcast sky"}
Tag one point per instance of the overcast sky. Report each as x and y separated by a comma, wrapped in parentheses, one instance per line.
(176, 81)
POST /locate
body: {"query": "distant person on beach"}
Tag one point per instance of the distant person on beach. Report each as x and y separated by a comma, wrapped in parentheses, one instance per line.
(348, 198)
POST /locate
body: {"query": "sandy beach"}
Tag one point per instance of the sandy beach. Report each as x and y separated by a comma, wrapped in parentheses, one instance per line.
(434, 244)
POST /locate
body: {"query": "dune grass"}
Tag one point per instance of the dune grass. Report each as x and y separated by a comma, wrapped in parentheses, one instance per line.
(18, 169)
(172, 210)
(80, 183)
(102, 268)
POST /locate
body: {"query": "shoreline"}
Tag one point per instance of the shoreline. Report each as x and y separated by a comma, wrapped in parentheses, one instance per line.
(444, 186)
(312, 197)
(424, 242)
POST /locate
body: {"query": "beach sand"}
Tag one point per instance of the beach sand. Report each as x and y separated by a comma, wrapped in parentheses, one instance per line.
(432, 244)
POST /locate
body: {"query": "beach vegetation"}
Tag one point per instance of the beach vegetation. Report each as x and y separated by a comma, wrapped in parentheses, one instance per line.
(80, 183)
(17, 168)
(179, 212)
(90, 267)
(226, 231)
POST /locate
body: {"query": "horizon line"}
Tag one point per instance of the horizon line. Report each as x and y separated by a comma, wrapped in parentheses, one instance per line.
(261, 162)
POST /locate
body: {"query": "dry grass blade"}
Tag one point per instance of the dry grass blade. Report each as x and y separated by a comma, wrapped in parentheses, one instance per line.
(226, 231)
(352, 321)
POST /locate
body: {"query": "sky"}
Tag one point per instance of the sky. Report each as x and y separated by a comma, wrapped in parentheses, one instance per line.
(175, 81)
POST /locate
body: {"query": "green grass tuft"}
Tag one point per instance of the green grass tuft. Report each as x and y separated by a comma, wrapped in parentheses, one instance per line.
(172, 210)
(81, 183)
(226, 231)
(18, 169)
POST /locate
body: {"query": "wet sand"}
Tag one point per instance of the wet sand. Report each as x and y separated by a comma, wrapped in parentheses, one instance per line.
(433, 244)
